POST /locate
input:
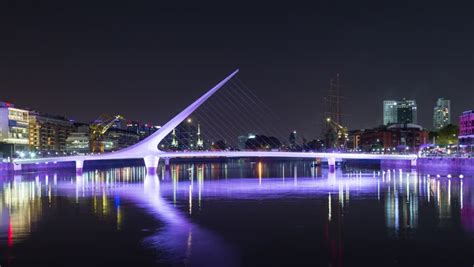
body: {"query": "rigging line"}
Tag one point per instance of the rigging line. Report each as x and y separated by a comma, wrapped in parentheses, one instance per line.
(209, 134)
(263, 104)
(225, 128)
(209, 122)
(164, 142)
(206, 132)
(262, 111)
(229, 131)
(245, 88)
(244, 109)
(240, 107)
(227, 118)
(262, 121)
(236, 103)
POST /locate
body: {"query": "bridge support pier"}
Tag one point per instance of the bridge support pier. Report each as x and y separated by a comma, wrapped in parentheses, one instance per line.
(16, 167)
(413, 163)
(332, 164)
(151, 164)
(167, 161)
(79, 166)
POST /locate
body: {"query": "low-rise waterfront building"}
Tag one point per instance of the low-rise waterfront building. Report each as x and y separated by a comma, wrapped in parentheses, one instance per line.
(48, 133)
(116, 138)
(13, 130)
(78, 142)
(353, 139)
(395, 137)
(466, 129)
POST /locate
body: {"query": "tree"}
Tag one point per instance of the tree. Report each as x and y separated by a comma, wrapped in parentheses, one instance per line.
(448, 135)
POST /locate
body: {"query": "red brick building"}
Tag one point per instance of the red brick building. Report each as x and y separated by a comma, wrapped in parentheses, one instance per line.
(395, 137)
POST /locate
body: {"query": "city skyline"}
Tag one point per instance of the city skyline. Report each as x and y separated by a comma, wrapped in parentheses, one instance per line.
(126, 59)
(383, 114)
(156, 133)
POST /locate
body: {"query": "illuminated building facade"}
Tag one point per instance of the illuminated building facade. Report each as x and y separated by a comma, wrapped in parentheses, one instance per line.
(442, 113)
(186, 136)
(13, 130)
(396, 112)
(116, 138)
(466, 128)
(395, 137)
(48, 132)
(353, 140)
(143, 130)
(78, 142)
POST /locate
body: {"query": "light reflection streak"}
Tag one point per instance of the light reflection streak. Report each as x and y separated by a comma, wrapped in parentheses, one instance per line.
(329, 206)
(182, 239)
(401, 201)
(20, 208)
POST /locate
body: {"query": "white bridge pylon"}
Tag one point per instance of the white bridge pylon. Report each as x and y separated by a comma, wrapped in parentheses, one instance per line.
(148, 150)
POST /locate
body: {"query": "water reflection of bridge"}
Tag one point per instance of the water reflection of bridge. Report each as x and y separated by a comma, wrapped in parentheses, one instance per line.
(148, 148)
(403, 194)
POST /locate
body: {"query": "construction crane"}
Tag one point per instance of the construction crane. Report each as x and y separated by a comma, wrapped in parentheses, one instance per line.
(98, 128)
(339, 134)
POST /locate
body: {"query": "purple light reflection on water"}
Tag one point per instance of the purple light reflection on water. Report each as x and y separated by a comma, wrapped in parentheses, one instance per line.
(183, 240)
(175, 198)
(255, 188)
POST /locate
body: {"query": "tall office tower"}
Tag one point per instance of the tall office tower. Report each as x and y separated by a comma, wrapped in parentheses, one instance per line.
(441, 113)
(389, 112)
(397, 112)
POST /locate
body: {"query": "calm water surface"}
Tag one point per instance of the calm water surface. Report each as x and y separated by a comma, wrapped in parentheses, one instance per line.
(238, 213)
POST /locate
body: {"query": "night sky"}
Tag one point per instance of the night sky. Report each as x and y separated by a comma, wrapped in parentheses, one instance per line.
(148, 60)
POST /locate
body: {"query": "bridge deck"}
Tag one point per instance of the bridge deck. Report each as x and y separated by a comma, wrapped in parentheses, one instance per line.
(226, 154)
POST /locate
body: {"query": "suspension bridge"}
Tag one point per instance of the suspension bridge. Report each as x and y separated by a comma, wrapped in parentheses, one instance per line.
(148, 149)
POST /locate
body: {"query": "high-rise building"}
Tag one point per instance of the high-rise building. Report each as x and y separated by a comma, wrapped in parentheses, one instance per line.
(389, 112)
(48, 132)
(441, 113)
(186, 136)
(293, 139)
(466, 128)
(13, 130)
(397, 112)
